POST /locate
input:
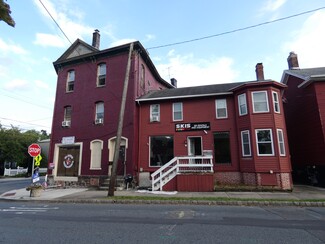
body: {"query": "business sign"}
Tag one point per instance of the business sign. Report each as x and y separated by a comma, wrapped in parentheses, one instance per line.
(68, 140)
(192, 126)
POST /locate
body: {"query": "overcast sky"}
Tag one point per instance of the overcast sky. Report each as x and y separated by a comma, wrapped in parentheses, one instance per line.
(28, 79)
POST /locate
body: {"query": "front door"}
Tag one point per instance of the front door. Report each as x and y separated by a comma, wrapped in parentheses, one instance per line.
(194, 146)
(68, 163)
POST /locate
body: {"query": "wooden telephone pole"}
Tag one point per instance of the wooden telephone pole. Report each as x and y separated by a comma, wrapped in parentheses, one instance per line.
(111, 188)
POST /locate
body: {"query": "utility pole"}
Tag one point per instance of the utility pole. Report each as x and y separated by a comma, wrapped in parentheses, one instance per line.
(111, 188)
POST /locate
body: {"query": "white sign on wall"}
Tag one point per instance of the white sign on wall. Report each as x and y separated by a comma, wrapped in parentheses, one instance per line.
(68, 140)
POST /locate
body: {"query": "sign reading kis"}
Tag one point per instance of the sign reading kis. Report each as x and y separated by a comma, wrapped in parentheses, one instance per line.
(192, 126)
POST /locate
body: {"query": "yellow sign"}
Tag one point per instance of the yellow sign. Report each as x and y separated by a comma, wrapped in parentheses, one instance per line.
(38, 159)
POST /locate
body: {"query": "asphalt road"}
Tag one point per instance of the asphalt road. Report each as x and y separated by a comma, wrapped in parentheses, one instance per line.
(8, 184)
(26, 222)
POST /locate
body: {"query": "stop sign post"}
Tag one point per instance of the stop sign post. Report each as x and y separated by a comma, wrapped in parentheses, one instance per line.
(34, 150)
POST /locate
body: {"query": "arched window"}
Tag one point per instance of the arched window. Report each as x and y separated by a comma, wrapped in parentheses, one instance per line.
(142, 76)
(96, 147)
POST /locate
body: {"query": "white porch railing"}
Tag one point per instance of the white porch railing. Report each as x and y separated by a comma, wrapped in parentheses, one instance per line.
(180, 165)
(20, 170)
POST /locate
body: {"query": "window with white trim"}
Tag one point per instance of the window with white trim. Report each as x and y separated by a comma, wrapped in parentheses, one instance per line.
(154, 113)
(276, 104)
(281, 142)
(177, 111)
(245, 143)
(101, 74)
(99, 116)
(96, 148)
(70, 81)
(221, 109)
(260, 102)
(242, 104)
(264, 141)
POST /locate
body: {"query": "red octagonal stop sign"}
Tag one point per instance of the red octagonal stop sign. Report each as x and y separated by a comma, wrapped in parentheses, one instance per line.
(34, 150)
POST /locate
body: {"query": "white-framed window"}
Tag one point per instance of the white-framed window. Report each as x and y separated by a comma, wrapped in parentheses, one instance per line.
(67, 113)
(264, 142)
(96, 148)
(281, 142)
(242, 104)
(154, 113)
(245, 143)
(99, 115)
(101, 74)
(70, 81)
(260, 102)
(177, 111)
(221, 109)
(276, 104)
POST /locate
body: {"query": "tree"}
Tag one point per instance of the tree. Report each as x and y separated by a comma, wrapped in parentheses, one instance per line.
(5, 13)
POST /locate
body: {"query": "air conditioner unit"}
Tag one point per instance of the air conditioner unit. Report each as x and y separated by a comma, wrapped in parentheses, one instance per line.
(155, 118)
(66, 123)
(99, 121)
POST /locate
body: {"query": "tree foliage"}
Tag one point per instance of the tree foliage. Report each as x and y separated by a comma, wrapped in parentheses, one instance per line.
(14, 145)
(5, 14)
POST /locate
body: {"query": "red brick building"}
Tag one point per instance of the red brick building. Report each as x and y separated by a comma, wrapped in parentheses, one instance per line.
(87, 104)
(240, 124)
(305, 115)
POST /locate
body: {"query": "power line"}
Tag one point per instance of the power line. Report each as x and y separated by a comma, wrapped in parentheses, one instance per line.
(24, 122)
(55, 21)
(237, 30)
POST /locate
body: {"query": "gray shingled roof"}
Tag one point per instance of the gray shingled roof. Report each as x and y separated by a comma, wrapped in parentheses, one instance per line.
(306, 73)
(195, 91)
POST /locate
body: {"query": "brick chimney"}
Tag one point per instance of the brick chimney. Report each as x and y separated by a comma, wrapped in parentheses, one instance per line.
(293, 61)
(96, 39)
(173, 81)
(259, 71)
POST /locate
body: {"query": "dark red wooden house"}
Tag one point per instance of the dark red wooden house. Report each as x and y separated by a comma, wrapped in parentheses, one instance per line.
(304, 104)
(87, 104)
(194, 137)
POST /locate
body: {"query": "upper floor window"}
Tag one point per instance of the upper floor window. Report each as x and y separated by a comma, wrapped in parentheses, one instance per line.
(154, 113)
(260, 102)
(264, 142)
(70, 81)
(67, 116)
(245, 143)
(281, 142)
(242, 104)
(221, 108)
(99, 116)
(276, 103)
(101, 74)
(177, 111)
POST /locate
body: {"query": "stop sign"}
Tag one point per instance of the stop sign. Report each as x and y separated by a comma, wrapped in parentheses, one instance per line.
(34, 150)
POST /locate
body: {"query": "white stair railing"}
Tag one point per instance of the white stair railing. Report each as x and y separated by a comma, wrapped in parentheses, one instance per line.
(180, 165)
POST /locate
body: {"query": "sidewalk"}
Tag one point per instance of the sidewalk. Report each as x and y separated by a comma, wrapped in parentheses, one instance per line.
(302, 195)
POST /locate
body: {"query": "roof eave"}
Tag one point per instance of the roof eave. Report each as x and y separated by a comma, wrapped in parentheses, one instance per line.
(182, 97)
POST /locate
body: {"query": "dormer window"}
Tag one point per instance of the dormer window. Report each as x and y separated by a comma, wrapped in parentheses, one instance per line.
(101, 74)
(70, 81)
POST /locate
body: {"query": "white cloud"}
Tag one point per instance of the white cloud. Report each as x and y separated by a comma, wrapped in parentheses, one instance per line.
(122, 42)
(190, 71)
(11, 48)
(16, 84)
(308, 42)
(41, 84)
(61, 13)
(273, 5)
(49, 40)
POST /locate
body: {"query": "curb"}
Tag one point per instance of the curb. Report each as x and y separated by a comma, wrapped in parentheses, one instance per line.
(178, 202)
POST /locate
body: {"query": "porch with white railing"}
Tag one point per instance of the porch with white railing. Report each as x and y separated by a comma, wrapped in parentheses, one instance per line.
(181, 165)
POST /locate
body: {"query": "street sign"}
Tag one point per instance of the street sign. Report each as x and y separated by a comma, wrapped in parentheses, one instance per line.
(34, 150)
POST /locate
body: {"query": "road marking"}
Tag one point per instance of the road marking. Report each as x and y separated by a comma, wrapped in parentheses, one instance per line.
(22, 210)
